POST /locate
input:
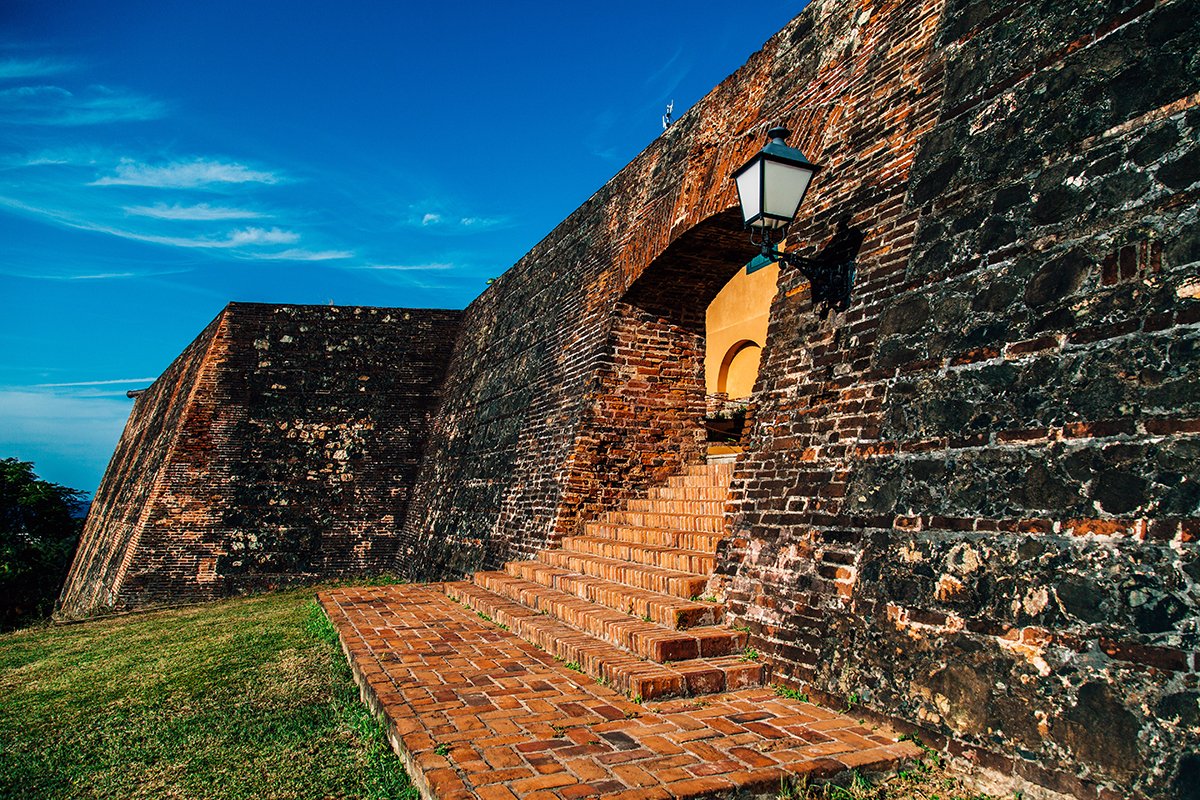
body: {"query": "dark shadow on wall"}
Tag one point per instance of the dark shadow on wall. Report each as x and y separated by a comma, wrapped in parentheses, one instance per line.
(833, 269)
(647, 407)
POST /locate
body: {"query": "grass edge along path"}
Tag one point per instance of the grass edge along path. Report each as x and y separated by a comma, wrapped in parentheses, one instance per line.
(250, 697)
(243, 698)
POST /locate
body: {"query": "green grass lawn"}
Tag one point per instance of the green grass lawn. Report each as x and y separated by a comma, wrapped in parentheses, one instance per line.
(247, 698)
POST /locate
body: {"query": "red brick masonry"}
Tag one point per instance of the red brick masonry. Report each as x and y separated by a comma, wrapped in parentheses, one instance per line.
(475, 711)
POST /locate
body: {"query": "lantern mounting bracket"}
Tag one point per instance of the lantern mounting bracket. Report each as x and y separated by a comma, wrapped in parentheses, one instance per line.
(830, 281)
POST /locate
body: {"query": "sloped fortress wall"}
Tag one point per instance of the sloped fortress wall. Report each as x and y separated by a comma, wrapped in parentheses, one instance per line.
(969, 504)
(280, 447)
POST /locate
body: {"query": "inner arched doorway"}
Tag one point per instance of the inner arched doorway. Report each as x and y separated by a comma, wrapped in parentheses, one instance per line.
(646, 413)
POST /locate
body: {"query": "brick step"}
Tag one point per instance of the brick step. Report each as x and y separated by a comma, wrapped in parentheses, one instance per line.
(697, 480)
(672, 558)
(645, 680)
(676, 505)
(642, 576)
(664, 609)
(703, 523)
(702, 493)
(716, 471)
(659, 537)
(641, 638)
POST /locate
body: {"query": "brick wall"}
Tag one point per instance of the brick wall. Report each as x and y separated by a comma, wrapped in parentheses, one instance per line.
(280, 447)
(969, 500)
(972, 499)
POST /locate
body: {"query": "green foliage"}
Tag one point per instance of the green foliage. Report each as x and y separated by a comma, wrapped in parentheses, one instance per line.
(250, 698)
(926, 779)
(40, 523)
(790, 693)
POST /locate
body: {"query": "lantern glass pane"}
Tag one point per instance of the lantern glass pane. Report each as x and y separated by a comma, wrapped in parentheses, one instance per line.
(785, 187)
(749, 184)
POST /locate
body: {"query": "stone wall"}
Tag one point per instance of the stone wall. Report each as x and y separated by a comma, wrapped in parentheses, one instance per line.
(969, 501)
(280, 447)
(972, 500)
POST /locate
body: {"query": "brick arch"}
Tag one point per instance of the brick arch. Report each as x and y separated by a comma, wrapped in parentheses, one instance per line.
(644, 418)
(736, 349)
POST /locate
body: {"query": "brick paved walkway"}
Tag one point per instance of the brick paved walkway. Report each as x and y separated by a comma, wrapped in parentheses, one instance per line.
(477, 712)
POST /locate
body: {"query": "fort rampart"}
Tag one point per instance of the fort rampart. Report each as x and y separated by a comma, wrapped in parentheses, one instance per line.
(968, 504)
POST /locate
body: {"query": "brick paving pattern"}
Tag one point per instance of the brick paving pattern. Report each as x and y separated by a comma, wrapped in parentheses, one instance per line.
(533, 681)
(476, 711)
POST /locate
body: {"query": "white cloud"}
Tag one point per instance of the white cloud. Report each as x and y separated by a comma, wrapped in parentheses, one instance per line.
(13, 68)
(101, 276)
(260, 236)
(405, 267)
(446, 223)
(200, 212)
(183, 174)
(236, 241)
(108, 382)
(296, 254)
(479, 222)
(56, 106)
(68, 437)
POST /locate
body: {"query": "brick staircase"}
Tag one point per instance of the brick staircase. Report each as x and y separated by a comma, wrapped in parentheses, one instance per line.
(480, 712)
(624, 602)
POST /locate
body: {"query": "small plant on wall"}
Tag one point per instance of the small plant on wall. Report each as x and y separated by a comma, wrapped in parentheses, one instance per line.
(725, 420)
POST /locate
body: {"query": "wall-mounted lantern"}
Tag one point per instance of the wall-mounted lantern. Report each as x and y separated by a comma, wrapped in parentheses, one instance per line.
(771, 186)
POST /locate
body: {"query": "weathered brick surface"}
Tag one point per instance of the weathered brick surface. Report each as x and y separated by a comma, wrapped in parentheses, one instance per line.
(475, 711)
(281, 446)
(971, 497)
(982, 490)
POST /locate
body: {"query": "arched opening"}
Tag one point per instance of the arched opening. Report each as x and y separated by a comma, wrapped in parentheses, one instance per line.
(649, 401)
(739, 370)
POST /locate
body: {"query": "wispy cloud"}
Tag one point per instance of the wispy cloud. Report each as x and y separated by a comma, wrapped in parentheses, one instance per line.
(260, 236)
(245, 243)
(297, 254)
(18, 68)
(108, 382)
(201, 212)
(193, 174)
(70, 432)
(245, 237)
(101, 276)
(93, 105)
(404, 267)
(480, 222)
(449, 222)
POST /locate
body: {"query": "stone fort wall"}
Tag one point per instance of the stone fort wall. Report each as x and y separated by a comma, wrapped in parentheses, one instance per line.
(970, 501)
(280, 447)
(968, 504)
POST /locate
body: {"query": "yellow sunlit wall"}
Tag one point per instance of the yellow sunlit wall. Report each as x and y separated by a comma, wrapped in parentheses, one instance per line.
(736, 331)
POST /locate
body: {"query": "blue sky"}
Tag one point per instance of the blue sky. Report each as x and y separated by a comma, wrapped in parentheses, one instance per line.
(159, 159)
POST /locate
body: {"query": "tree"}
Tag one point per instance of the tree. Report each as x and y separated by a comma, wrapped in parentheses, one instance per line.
(40, 523)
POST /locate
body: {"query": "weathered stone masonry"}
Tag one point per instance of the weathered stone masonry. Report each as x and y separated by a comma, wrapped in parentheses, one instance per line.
(970, 501)
(281, 446)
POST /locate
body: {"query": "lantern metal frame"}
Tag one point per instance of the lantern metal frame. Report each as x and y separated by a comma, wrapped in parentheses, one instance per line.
(831, 281)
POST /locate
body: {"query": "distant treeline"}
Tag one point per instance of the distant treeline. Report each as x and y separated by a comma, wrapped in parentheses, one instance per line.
(40, 523)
